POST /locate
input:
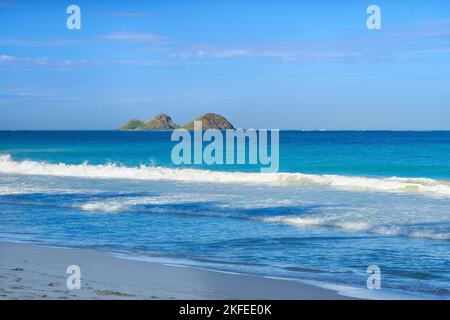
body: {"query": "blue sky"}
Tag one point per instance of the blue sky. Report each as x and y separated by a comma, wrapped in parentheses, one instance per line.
(263, 64)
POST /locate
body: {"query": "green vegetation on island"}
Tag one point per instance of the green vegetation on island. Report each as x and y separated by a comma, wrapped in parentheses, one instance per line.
(133, 124)
(211, 121)
(164, 122)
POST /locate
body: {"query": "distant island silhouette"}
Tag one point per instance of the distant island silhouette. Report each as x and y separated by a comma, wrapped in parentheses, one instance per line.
(164, 122)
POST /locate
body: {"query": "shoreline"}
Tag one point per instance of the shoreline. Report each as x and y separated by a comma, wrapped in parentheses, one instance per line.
(30, 271)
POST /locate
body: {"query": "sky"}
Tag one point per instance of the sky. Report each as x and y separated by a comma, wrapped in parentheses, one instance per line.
(303, 65)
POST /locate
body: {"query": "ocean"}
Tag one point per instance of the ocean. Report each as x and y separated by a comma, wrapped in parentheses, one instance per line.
(342, 201)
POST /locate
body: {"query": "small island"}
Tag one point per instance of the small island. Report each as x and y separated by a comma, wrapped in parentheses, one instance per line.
(164, 122)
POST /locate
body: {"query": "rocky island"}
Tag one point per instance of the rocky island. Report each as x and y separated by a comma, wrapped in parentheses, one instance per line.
(160, 122)
(164, 122)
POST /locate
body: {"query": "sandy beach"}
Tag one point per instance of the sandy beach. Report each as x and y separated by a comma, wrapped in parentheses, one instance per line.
(35, 272)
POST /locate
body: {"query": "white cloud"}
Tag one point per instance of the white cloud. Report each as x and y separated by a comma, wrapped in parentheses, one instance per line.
(6, 59)
(132, 36)
(33, 62)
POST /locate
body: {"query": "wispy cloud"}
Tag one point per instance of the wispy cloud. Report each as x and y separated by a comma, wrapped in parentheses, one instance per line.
(431, 29)
(392, 43)
(6, 59)
(282, 52)
(286, 52)
(61, 42)
(400, 42)
(22, 61)
(123, 13)
(35, 95)
(33, 62)
(132, 36)
(40, 42)
(19, 95)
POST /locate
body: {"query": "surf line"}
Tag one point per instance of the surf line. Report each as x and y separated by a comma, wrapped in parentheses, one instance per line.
(236, 142)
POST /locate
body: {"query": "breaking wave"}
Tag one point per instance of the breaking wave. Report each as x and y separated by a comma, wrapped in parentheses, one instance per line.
(117, 171)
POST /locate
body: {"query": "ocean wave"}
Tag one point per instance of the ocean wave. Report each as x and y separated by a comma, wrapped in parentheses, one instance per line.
(125, 204)
(116, 171)
(360, 226)
(9, 190)
(6, 190)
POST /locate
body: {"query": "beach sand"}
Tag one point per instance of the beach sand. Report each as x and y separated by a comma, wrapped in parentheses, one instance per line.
(35, 272)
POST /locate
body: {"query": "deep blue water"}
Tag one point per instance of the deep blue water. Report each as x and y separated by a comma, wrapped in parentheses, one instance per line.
(313, 227)
(371, 153)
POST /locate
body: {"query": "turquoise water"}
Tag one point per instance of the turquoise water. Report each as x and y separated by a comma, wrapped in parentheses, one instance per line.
(341, 202)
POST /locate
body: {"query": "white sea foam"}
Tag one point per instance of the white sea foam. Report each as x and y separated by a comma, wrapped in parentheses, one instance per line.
(102, 206)
(115, 171)
(258, 204)
(319, 221)
(404, 230)
(27, 189)
(430, 235)
(6, 190)
(123, 204)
